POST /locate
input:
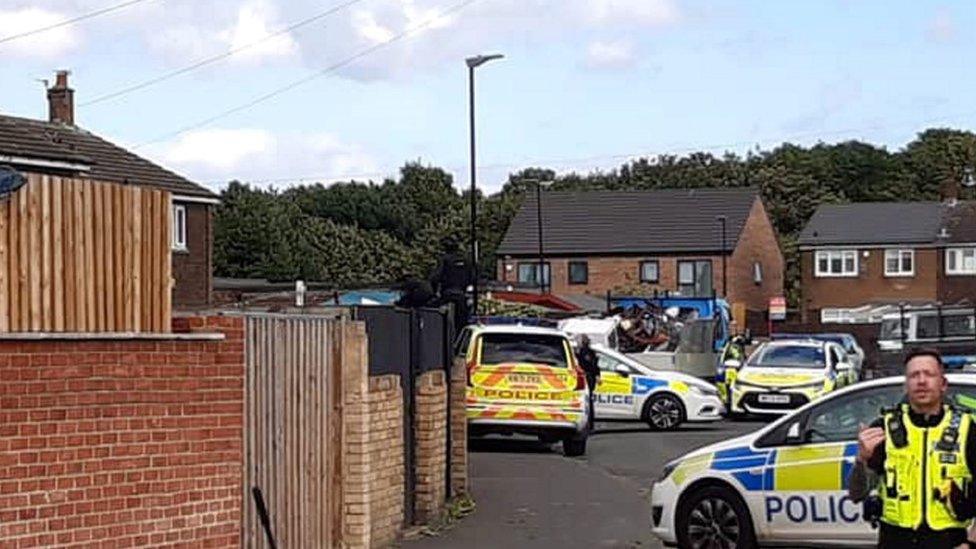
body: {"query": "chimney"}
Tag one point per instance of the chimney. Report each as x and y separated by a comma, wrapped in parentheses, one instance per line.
(949, 192)
(61, 101)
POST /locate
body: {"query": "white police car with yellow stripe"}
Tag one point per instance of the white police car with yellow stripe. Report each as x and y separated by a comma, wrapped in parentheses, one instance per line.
(629, 390)
(783, 375)
(785, 484)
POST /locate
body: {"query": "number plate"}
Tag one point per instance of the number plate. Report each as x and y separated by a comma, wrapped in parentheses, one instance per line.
(774, 399)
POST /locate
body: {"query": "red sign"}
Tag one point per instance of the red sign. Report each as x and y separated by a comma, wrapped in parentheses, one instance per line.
(777, 308)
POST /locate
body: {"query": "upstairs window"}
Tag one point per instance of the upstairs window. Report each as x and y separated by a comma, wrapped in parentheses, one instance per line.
(578, 272)
(179, 227)
(899, 262)
(831, 263)
(961, 261)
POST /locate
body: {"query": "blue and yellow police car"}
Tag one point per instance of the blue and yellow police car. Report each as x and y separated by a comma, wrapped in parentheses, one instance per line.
(785, 484)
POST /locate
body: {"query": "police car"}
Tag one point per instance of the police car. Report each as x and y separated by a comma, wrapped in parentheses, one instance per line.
(785, 484)
(524, 380)
(781, 376)
(629, 390)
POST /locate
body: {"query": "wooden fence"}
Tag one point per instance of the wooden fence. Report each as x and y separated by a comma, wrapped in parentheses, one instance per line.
(85, 256)
(291, 428)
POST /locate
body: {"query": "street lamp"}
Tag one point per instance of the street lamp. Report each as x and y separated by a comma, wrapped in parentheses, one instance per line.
(538, 218)
(473, 63)
(725, 280)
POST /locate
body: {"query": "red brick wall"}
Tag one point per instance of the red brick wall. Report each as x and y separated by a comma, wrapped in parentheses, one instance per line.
(122, 443)
(757, 244)
(192, 269)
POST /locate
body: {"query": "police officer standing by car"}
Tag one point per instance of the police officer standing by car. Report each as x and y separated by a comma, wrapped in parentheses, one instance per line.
(588, 362)
(922, 454)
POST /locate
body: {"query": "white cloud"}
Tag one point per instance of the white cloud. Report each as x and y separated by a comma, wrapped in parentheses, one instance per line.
(644, 12)
(218, 149)
(610, 55)
(49, 43)
(942, 27)
(264, 157)
(255, 25)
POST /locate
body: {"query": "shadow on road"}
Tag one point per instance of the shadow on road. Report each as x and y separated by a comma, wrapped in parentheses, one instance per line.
(509, 446)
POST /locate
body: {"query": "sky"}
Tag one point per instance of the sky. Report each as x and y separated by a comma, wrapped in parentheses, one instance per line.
(299, 91)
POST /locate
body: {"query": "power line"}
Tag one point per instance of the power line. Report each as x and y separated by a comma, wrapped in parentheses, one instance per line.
(296, 83)
(219, 57)
(71, 21)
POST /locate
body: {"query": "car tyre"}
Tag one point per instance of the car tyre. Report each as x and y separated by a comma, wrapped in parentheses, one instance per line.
(714, 517)
(574, 446)
(664, 412)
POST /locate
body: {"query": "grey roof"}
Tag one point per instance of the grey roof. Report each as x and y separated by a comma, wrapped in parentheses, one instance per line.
(630, 222)
(874, 223)
(40, 140)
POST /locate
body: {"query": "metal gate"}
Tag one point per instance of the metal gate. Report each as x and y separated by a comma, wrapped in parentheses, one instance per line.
(290, 420)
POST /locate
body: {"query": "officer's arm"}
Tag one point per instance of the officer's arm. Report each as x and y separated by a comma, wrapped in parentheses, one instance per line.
(860, 482)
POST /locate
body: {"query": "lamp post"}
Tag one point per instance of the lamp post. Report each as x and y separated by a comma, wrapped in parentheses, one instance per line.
(473, 63)
(725, 280)
(538, 217)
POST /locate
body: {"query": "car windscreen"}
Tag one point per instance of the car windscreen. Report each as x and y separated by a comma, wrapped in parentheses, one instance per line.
(788, 356)
(533, 348)
(892, 329)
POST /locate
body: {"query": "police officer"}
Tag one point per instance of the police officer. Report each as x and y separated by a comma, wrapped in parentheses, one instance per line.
(923, 454)
(735, 349)
(588, 362)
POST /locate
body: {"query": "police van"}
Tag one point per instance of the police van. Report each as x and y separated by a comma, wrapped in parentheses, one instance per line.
(785, 484)
(631, 391)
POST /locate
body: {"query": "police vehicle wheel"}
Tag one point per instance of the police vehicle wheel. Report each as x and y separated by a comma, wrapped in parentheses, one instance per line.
(715, 517)
(574, 447)
(664, 412)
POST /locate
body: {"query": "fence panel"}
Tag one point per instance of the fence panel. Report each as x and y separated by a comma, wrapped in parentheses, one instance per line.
(84, 256)
(288, 429)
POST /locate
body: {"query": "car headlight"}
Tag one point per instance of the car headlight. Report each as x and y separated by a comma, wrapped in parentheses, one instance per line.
(668, 469)
(704, 390)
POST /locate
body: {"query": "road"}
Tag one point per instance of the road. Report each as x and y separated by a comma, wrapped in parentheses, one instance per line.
(529, 495)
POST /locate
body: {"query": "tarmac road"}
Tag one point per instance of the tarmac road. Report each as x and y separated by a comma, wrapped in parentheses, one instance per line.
(529, 495)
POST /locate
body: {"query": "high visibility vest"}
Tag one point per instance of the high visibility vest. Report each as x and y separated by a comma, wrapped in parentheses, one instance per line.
(920, 463)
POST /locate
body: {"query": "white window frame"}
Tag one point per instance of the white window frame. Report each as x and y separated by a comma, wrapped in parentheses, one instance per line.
(900, 254)
(833, 315)
(178, 222)
(830, 255)
(961, 269)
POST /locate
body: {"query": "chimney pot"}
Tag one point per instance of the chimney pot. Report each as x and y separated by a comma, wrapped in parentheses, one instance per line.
(61, 100)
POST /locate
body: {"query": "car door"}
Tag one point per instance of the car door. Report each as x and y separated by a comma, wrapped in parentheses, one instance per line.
(838, 363)
(614, 398)
(805, 478)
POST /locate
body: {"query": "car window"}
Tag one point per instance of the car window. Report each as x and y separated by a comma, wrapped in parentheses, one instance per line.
(840, 419)
(532, 348)
(789, 356)
(461, 343)
(607, 363)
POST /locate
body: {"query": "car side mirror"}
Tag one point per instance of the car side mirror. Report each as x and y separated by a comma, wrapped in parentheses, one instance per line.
(622, 370)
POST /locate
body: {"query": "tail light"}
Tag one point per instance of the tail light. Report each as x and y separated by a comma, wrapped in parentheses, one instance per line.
(580, 380)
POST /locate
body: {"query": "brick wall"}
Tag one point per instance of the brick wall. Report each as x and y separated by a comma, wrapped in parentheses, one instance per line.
(459, 430)
(757, 244)
(192, 269)
(430, 437)
(122, 442)
(386, 469)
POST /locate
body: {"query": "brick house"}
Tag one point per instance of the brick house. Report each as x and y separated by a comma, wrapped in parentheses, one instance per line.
(599, 241)
(853, 255)
(59, 147)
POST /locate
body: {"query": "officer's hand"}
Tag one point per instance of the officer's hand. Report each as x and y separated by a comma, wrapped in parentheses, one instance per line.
(868, 440)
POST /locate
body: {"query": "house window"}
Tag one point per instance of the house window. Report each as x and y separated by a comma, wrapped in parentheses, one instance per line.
(528, 273)
(578, 272)
(695, 278)
(650, 271)
(179, 227)
(757, 276)
(899, 262)
(961, 261)
(836, 263)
